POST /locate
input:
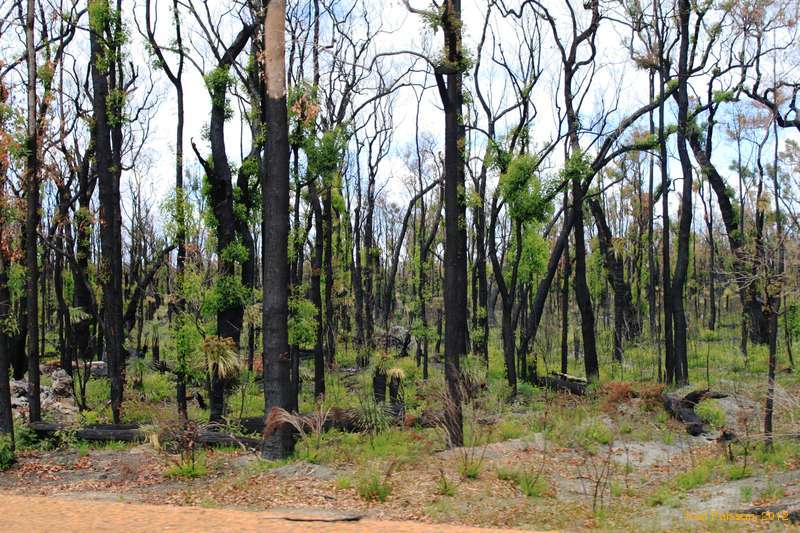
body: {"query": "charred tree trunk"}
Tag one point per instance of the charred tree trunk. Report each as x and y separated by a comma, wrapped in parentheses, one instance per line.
(106, 77)
(626, 317)
(230, 308)
(330, 333)
(6, 416)
(278, 389)
(666, 283)
(316, 290)
(455, 260)
(681, 375)
(32, 221)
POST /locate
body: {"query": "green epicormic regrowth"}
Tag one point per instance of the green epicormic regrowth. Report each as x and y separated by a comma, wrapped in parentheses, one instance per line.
(106, 24)
(302, 322)
(217, 82)
(228, 292)
(521, 188)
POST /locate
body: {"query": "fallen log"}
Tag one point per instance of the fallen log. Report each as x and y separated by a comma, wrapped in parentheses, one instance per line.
(781, 514)
(95, 433)
(555, 382)
(682, 409)
(210, 438)
(133, 433)
(345, 420)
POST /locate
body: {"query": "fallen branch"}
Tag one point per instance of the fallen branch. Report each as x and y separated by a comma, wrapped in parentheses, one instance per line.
(561, 382)
(683, 409)
(134, 433)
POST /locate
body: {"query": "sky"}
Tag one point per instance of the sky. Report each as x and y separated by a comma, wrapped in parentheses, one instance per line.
(616, 83)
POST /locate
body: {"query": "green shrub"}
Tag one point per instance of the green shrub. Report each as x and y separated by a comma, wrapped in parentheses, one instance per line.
(530, 483)
(782, 454)
(593, 433)
(372, 488)
(664, 496)
(190, 468)
(699, 475)
(735, 472)
(772, 492)
(746, 494)
(709, 411)
(7, 455)
(444, 487)
(470, 466)
(509, 429)
(26, 437)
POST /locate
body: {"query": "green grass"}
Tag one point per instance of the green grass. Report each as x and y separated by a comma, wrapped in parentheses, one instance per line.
(782, 454)
(344, 482)
(531, 483)
(735, 472)
(337, 447)
(746, 494)
(772, 492)
(593, 433)
(697, 476)
(445, 487)
(188, 469)
(709, 411)
(470, 467)
(371, 486)
(7, 455)
(663, 496)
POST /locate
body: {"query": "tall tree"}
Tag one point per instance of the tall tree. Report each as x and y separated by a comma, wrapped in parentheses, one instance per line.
(106, 40)
(455, 222)
(32, 219)
(175, 76)
(449, 73)
(275, 232)
(230, 291)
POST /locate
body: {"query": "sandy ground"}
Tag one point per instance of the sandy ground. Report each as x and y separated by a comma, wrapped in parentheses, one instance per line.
(34, 514)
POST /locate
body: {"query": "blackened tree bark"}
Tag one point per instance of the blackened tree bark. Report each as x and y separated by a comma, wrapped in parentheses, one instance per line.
(626, 318)
(651, 247)
(106, 73)
(32, 220)
(388, 297)
(455, 260)
(370, 263)
(708, 212)
(316, 289)
(327, 237)
(82, 298)
(582, 295)
(449, 82)
(508, 292)
(666, 284)
(757, 321)
(357, 277)
(571, 64)
(6, 416)
(230, 310)
(175, 77)
(275, 232)
(604, 155)
(773, 290)
(680, 374)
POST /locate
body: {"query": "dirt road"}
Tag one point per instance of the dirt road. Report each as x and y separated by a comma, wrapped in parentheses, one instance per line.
(35, 514)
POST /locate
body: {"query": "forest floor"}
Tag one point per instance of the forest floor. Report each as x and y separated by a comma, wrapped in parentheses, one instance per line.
(577, 473)
(613, 459)
(81, 515)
